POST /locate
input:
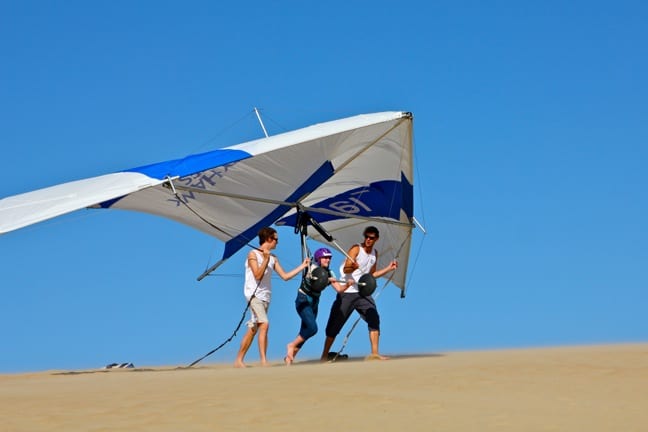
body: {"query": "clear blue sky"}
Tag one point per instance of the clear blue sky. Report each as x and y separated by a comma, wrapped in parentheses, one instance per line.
(531, 142)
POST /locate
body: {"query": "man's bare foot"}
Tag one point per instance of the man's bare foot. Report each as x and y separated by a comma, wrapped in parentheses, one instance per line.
(376, 357)
(265, 363)
(239, 364)
(287, 361)
(290, 352)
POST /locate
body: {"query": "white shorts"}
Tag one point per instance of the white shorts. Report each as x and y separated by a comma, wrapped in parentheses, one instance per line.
(258, 311)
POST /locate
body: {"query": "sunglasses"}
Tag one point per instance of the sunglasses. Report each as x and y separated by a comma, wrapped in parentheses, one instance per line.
(371, 237)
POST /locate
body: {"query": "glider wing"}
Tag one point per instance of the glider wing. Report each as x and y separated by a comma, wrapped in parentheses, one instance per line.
(346, 174)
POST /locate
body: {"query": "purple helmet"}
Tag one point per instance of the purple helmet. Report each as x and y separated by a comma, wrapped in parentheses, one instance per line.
(320, 253)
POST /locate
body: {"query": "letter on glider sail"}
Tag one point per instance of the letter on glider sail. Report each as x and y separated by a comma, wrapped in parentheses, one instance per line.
(346, 174)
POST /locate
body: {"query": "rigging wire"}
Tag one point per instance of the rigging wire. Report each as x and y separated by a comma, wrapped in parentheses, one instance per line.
(229, 339)
(424, 231)
(282, 127)
(223, 130)
(211, 140)
(198, 215)
(247, 240)
(419, 182)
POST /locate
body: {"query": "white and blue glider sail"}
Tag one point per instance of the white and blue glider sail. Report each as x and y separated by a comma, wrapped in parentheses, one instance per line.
(346, 174)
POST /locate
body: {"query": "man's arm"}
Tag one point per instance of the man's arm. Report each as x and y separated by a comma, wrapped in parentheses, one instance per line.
(258, 269)
(393, 265)
(350, 264)
(292, 273)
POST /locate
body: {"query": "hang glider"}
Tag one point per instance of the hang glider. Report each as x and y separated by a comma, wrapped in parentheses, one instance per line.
(344, 174)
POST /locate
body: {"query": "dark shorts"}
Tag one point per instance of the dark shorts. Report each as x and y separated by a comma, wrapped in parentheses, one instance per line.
(343, 307)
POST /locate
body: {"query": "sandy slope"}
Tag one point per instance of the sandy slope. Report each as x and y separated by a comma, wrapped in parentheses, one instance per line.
(600, 388)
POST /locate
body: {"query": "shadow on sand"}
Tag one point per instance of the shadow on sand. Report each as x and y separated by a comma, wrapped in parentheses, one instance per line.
(340, 359)
(363, 359)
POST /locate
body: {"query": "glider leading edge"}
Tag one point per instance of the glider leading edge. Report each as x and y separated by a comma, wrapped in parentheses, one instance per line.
(345, 174)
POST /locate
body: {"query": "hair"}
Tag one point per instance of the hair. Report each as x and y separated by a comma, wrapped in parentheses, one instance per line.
(371, 230)
(266, 233)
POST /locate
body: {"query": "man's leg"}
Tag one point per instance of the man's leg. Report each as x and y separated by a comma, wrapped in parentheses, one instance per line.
(245, 345)
(374, 336)
(366, 307)
(263, 342)
(341, 309)
(328, 342)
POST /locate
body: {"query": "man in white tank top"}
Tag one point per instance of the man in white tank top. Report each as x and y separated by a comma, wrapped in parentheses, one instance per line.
(258, 290)
(363, 260)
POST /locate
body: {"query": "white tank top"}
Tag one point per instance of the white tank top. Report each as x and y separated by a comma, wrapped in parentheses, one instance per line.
(366, 262)
(264, 289)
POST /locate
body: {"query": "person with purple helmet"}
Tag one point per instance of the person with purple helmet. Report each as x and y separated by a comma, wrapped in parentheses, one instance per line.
(307, 301)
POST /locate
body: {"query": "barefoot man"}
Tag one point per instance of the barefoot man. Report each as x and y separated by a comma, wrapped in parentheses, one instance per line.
(258, 289)
(363, 260)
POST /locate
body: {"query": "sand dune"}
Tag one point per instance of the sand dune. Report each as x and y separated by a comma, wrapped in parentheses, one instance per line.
(597, 388)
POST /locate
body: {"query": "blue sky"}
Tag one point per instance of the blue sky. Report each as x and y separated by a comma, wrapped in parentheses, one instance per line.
(530, 138)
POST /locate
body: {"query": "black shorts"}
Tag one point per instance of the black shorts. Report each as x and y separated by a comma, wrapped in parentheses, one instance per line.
(343, 307)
